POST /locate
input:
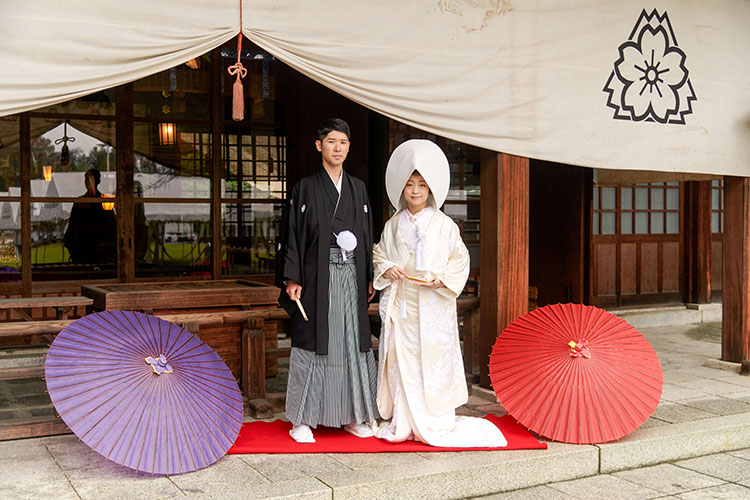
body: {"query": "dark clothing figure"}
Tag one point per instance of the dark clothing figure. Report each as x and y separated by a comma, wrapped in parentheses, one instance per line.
(91, 233)
(305, 253)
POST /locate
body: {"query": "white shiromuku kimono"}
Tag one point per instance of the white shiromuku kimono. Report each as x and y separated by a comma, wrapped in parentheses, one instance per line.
(421, 377)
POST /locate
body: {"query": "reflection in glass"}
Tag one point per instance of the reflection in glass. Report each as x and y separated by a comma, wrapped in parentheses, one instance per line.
(250, 234)
(92, 149)
(10, 156)
(52, 260)
(180, 170)
(182, 92)
(10, 241)
(609, 222)
(172, 239)
(102, 103)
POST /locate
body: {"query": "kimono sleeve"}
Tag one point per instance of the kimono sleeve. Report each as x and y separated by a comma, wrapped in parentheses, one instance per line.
(456, 271)
(381, 260)
(292, 243)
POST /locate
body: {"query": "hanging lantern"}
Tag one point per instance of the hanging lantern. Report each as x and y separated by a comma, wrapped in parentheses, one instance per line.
(47, 172)
(64, 140)
(108, 205)
(167, 134)
(193, 63)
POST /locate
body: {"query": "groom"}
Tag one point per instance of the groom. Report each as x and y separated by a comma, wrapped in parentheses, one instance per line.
(332, 371)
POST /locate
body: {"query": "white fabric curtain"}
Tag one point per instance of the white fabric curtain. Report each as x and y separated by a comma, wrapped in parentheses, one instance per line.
(585, 82)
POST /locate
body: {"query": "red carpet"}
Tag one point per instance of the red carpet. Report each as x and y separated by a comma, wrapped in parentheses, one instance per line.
(273, 437)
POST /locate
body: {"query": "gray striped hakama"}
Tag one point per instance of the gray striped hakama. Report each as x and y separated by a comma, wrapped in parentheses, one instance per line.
(340, 387)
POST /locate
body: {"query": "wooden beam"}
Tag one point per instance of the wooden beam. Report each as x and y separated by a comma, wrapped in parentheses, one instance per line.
(735, 325)
(696, 228)
(217, 130)
(611, 177)
(25, 145)
(504, 284)
(125, 185)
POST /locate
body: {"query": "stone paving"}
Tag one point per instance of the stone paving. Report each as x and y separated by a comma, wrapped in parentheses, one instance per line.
(695, 446)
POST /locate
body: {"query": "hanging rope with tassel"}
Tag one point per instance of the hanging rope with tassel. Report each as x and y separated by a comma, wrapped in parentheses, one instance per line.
(238, 92)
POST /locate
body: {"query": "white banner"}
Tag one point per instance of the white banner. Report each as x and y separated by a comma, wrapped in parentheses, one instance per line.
(617, 85)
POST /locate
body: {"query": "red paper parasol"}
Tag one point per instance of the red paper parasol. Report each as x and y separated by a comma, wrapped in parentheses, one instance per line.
(576, 374)
(143, 392)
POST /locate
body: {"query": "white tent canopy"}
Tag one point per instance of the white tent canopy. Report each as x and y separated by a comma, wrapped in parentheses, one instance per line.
(592, 83)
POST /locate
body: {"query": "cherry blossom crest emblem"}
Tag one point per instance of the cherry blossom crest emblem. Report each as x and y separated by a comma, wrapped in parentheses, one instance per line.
(650, 81)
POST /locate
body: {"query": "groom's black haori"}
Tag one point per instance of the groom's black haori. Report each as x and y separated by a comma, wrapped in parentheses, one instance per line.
(309, 225)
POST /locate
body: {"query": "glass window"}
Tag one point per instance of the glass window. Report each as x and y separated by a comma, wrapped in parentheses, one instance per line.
(182, 92)
(101, 103)
(10, 241)
(626, 198)
(609, 198)
(673, 222)
(609, 223)
(596, 198)
(641, 198)
(172, 239)
(172, 161)
(657, 199)
(595, 223)
(626, 223)
(10, 155)
(673, 199)
(657, 222)
(641, 223)
(255, 165)
(73, 244)
(250, 234)
(61, 153)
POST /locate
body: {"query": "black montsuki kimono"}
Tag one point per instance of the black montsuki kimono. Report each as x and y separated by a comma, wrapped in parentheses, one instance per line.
(303, 254)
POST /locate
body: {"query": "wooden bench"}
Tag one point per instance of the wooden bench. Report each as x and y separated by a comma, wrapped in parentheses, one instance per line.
(20, 305)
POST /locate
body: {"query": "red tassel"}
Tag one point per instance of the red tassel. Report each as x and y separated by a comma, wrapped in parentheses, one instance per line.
(238, 93)
(238, 101)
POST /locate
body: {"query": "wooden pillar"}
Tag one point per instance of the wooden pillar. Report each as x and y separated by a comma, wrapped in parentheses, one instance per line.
(504, 282)
(696, 286)
(124, 194)
(735, 325)
(217, 129)
(25, 143)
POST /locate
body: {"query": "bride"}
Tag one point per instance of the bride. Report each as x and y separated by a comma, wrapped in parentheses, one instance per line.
(421, 266)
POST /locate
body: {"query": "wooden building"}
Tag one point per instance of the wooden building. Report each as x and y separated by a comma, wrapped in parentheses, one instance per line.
(198, 196)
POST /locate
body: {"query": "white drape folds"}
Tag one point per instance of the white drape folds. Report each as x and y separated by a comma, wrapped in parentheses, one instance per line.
(583, 82)
(53, 51)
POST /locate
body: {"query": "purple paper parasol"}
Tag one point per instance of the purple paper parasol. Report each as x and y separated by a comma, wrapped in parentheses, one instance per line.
(143, 392)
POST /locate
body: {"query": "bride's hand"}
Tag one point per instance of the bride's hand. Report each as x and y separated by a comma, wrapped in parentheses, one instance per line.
(395, 273)
(436, 283)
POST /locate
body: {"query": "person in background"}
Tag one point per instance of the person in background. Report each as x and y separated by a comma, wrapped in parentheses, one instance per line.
(90, 236)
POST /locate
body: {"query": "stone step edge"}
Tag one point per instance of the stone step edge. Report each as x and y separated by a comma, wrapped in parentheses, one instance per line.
(673, 442)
